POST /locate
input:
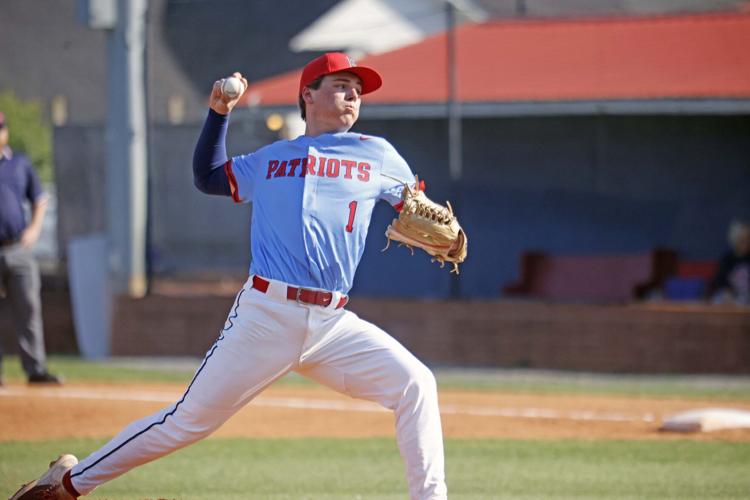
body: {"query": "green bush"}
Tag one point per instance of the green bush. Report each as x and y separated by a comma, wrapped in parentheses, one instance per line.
(30, 132)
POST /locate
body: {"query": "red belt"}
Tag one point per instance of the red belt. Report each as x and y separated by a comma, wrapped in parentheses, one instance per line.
(314, 297)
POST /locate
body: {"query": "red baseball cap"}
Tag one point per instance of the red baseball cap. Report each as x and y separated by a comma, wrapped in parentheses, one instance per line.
(334, 62)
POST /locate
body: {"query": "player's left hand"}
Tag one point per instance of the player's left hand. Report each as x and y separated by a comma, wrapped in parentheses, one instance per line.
(220, 102)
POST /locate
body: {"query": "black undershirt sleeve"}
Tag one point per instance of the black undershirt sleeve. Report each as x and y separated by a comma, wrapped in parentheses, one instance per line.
(210, 156)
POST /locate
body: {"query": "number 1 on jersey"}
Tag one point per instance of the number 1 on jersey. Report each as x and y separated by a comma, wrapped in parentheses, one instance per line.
(352, 211)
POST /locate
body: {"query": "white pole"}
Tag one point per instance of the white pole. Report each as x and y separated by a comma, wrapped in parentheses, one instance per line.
(126, 149)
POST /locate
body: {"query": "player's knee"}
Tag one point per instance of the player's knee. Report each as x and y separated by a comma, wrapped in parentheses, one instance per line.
(427, 380)
(189, 432)
(192, 425)
(421, 381)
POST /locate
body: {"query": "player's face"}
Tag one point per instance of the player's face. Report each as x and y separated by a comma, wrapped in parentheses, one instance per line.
(3, 136)
(336, 102)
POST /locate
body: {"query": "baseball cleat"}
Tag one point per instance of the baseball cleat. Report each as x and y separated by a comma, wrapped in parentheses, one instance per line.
(49, 486)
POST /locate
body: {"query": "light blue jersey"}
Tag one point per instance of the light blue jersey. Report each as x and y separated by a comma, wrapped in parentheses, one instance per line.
(312, 202)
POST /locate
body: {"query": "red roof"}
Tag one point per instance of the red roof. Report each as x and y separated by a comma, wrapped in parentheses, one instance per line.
(696, 56)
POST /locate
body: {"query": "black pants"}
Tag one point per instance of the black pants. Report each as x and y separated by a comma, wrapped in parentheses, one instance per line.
(19, 277)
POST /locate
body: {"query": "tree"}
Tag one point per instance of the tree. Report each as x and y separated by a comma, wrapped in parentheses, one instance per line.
(30, 132)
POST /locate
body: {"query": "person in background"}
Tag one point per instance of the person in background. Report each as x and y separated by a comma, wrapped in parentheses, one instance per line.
(19, 273)
(732, 281)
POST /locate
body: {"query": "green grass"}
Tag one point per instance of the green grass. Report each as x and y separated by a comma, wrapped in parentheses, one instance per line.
(331, 469)
(718, 387)
(75, 369)
(519, 381)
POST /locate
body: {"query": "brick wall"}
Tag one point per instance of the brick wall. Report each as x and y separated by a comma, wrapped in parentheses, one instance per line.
(168, 325)
(625, 338)
(633, 339)
(697, 339)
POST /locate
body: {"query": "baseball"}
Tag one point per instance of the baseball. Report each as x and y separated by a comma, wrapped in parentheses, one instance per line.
(232, 87)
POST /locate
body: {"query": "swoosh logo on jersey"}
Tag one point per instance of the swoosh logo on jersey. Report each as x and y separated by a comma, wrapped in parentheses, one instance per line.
(363, 138)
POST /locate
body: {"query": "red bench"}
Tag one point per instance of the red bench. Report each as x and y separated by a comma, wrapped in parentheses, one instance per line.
(592, 278)
(703, 269)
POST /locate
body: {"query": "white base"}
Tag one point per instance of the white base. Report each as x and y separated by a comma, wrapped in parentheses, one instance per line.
(707, 420)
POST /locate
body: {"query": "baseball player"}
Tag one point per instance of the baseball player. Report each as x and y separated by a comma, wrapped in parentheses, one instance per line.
(312, 202)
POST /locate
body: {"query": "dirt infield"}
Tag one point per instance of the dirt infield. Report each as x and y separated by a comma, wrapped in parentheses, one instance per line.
(101, 410)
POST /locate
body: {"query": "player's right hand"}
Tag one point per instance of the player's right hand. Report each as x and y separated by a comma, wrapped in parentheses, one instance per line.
(221, 103)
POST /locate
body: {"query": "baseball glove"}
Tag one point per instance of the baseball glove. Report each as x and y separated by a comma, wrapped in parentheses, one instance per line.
(427, 225)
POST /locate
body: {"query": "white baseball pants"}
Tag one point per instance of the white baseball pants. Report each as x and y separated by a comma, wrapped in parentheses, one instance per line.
(265, 336)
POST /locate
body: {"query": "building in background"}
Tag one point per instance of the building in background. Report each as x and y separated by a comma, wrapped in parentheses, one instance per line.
(367, 27)
(192, 42)
(360, 27)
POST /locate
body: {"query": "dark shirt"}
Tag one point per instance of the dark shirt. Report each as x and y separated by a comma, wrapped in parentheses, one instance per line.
(18, 182)
(733, 273)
